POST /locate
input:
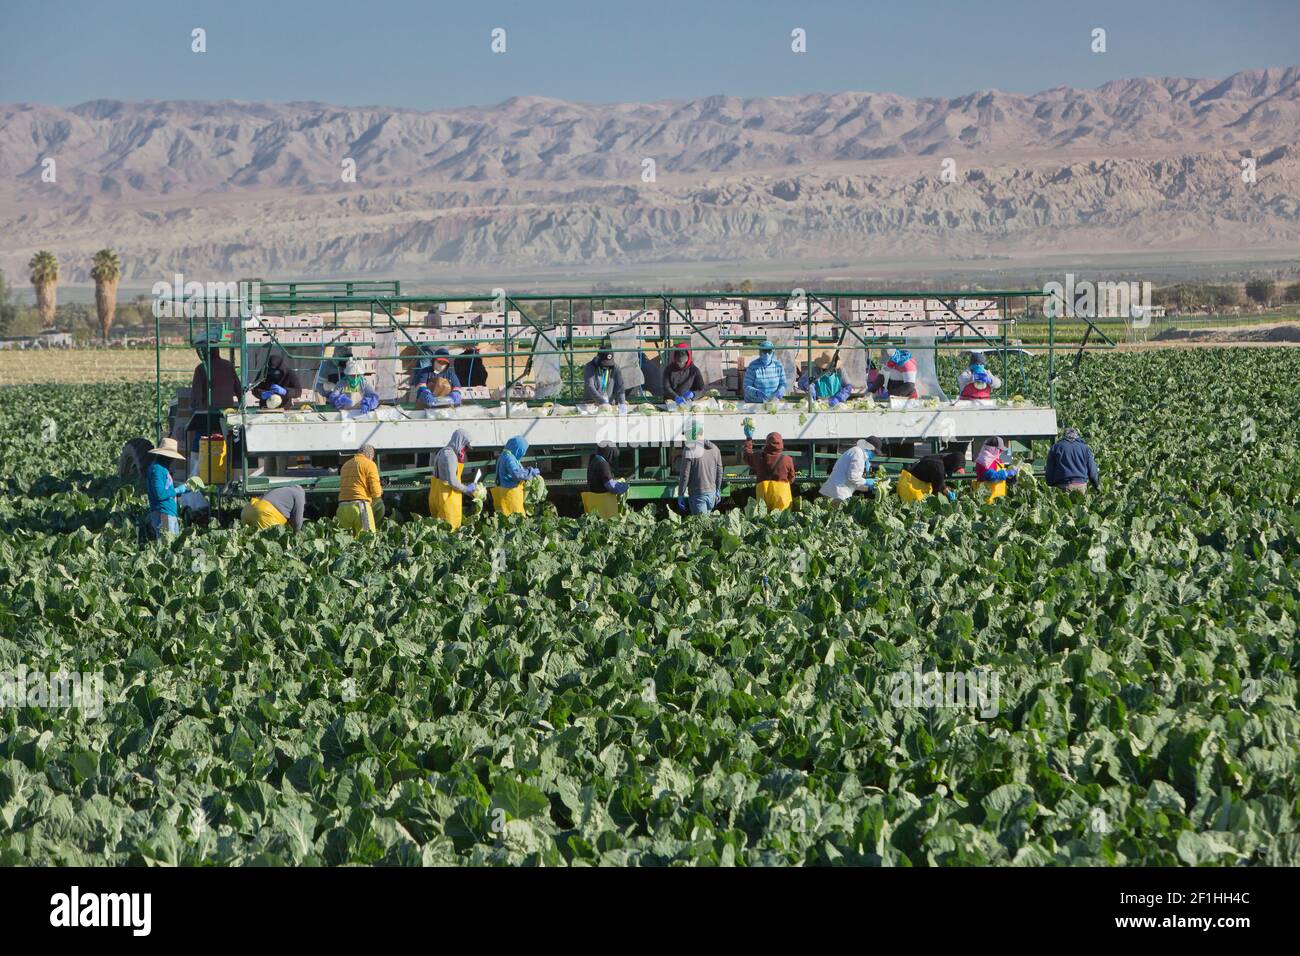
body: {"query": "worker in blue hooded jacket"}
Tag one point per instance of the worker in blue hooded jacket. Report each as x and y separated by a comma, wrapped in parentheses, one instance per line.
(508, 492)
(765, 376)
(1071, 465)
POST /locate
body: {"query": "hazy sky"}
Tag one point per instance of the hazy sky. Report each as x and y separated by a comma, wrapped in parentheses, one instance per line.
(432, 54)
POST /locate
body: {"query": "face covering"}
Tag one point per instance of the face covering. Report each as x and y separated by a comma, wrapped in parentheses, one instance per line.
(355, 382)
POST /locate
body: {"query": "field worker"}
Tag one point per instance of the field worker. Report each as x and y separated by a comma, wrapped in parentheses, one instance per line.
(773, 469)
(361, 503)
(446, 490)
(508, 493)
(279, 384)
(977, 382)
(470, 368)
(226, 390)
(1071, 465)
(603, 382)
(353, 391)
(194, 506)
(279, 506)
(765, 376)
(699, 485)
(826, 382)
(162, 491)
(993, 468)
(435, 382)
(852, 472)
(603, 490)
(682, 379)
(899, 375)
(928, 476)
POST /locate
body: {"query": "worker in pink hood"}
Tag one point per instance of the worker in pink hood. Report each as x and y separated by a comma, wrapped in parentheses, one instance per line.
(683, 380)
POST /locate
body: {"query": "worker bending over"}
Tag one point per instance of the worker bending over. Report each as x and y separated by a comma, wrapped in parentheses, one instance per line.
(929, 476)
(446, 489)
(603, 490)
(1071, 464)
(508, 492)
(993, 470)
(852, 472)
(773, 470)
(279, 506)
(361, 502)
(825, 382)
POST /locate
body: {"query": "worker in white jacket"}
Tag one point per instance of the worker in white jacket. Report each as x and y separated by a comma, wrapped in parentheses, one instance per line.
(851, 471)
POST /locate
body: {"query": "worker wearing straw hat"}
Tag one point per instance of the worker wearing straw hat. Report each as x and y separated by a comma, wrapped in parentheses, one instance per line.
(163, 518)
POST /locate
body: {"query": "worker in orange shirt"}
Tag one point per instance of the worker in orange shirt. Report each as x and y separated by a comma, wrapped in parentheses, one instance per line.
(361, 503)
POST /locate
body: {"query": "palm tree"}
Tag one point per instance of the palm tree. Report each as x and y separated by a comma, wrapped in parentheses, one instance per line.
(45, 278)
(106, 271)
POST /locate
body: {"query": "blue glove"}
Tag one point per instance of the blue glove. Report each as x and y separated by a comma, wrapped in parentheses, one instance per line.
(619, 487)
(679, 400)
(834, 401)
(455, 398)
(996, 474)
(340, 401)
(689, 396)
(264, 396)
(471, 488)
(749, 432)
(681, 504)
(369, 402)
(279, 390)
(952, 495)
(532, 473)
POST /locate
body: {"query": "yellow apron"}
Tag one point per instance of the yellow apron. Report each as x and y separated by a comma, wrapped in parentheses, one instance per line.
(258, 514)
(355, 516)
(775, 494)
(997, 489)
(445, 502)
(508, 501)
(909, 489)
(604, 504)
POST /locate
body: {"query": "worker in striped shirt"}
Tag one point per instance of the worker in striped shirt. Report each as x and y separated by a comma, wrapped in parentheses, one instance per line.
(765, 376)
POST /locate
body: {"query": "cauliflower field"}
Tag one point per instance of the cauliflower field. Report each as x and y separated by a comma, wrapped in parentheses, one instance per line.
(741, 688)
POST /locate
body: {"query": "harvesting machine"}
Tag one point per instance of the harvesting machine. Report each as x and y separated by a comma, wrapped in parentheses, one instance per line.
(532, 349)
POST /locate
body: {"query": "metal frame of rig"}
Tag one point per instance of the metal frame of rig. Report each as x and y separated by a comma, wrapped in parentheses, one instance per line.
(308, 322)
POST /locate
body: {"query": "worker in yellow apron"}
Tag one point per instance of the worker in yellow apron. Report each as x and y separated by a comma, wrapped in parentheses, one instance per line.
(277, 507)
(928, 476)
(991, 472)
(446, 490)
(773, 468)
(361, 502)
(604, 494)
(508, 492)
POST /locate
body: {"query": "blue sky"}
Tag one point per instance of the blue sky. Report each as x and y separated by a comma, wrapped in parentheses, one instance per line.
(433, 54)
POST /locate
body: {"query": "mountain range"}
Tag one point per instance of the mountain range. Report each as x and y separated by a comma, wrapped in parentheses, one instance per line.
(215, 189)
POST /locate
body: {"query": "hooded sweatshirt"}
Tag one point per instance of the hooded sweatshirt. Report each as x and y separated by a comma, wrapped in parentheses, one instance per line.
(510, 471)
(444, 465)
(470, 368)
(771, 464)
(678, 380)
(426, 375)
(600, 475)
(848, 475)
(934, 470)
(225, 384)
(277, 373)
(1071, 462)
(764, 378)
(603, 383)
(701, 470)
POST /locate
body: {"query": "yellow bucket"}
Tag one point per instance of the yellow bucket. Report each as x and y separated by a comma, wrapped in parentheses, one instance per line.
(212, 459)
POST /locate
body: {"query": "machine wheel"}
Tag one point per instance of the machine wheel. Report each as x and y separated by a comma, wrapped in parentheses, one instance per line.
(133, 463)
